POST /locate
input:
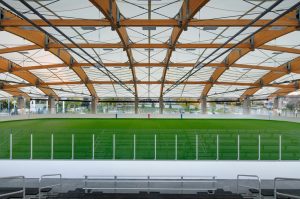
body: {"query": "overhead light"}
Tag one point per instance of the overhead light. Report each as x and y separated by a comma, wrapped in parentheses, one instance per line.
(210, 27)
(107, 49)
(149, 27)
(28, 28)
(190, 49)
(24, 52)
(276, 28)
(277, 53)
(149, 49)
(88, 28)
(117, 67)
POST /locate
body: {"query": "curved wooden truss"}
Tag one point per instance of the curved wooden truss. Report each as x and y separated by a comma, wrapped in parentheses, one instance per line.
(259, 39)
(40, 39)
(185, 18)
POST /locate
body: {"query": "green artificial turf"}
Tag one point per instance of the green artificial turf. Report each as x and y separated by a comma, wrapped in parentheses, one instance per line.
(196, 139)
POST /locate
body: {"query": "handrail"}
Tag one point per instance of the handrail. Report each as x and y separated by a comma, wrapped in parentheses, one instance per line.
(284, 194)
(245, 186)
(49, 186)
(148, 180)
(15, 192)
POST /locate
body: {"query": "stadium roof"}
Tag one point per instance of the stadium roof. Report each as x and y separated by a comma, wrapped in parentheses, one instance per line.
(149, 49)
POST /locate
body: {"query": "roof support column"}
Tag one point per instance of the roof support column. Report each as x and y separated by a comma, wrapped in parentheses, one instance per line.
(51, 105)
(94, 105)
(21, 105)
(136, 105)
(246, 105)
(161, 105)
(203, 104)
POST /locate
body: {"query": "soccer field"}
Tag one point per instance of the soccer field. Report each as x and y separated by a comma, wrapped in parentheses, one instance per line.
(149, 139)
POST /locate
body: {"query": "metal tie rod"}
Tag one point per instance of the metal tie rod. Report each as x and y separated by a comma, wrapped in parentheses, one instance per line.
(190, 73)
(109, 73)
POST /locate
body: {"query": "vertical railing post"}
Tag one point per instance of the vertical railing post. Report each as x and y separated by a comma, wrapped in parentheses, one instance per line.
(31, 146)
(176, 147)
(72, 146)
(93, 147)
(10, 145)
(134, 147)
(155, 147)
(280, 147)
(197, 148)
(114, 146)
(52, 146)
(238, 147)
(217, 147)
(259, 147)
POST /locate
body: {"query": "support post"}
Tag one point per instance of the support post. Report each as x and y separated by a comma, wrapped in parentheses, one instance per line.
(72, 146)
(279, 147)
(161, 105)
(136, 105)
(31, 146)
(259, 147)
(21, 105)
(10, 146)
(94, 105)
(93, 147)
(51, 105)
(246, 105)
(197, 148)
(203, 105)
(52, 146)
(217, 147)
(155, 147)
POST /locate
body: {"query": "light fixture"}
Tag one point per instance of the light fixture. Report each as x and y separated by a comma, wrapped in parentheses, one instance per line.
(24, 52)
(149, 27)
(88, 28)
(190, 49)
(210, 27)
(277, 53)
(276, 28)
(28, 28)
(107, 49)
(149, 49)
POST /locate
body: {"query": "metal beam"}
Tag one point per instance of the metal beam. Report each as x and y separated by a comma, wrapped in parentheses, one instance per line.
(111, 11)
(185, 15)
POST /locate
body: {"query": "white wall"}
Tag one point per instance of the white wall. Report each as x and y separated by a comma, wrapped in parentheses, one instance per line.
(221, 169)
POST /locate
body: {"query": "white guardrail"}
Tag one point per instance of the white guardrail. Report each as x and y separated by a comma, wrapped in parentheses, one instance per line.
(148, 180)
(22, 178)
(258, 187)
(43, 177)
(277, 193)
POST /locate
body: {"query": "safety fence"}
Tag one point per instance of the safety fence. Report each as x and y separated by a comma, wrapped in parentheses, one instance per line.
(149, 144)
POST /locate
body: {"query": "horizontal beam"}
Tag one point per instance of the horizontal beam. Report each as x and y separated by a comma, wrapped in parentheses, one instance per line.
(145, 22)
(147, 46)
(171, 65)
(150, 82)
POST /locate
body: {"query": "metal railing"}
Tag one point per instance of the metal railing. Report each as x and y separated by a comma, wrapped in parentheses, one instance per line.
(258, 187)
(51, 185)
(211, 180)
(284, 194)
(15, 192)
